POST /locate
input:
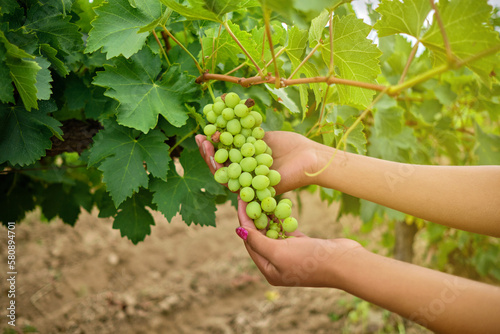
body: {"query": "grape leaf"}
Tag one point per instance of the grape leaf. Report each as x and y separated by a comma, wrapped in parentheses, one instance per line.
(402, 17)
(467, 28)
(212, 10)
(6, 88)
(121, 153)
(133, 219)
(317, 6)
(389, 122)
(196, 206)
(24, 136)
(59, 200)
(141, 95)
(54, 28)
(50, 53)
(282, 97)
(117, 24)
(317, 26)
(24, 73)
(355, 58)
(356, 140)
(488, 148)
(17, 196)
(43, 79)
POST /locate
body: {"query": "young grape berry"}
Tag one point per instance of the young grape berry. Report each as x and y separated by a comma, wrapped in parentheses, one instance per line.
(234, 129)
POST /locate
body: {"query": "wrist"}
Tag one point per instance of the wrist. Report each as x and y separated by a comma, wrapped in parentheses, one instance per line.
(347, 256)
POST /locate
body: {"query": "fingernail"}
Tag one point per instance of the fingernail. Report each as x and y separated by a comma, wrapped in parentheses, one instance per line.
(242, 233)
(212, 161)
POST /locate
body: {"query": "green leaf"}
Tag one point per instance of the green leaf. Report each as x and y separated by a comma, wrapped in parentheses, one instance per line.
(317, 6)
(24, 73)
(467, 28)
(43, 79)
(141, 95)
(6, 88)
(406, 17)
(59, 200)
(117, 24)
(54, 28)
(317, 26)
(282, 97)
(133, 219)
(192, 191)
(212, 10)
(356, 140)
(12, 49)
(355, 58)
(24, 136)
(488, 147)
(121, 153)
(50, 53)
(389, 122)
(17, 196)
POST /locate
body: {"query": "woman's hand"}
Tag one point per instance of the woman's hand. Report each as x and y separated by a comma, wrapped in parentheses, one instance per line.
(299, 261)
(293, 156)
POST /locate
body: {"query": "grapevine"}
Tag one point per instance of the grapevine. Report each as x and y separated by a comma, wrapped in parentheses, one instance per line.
(234, 129)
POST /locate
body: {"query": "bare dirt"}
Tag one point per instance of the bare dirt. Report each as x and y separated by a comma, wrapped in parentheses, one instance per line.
(181, 279)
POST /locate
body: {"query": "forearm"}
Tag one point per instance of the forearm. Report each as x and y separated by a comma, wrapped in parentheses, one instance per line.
(441, 302)
(466, 198)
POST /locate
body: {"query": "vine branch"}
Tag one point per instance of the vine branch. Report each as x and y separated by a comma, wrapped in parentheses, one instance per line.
(408, 63)
(446, 42)
(183, 48)
(277, 80)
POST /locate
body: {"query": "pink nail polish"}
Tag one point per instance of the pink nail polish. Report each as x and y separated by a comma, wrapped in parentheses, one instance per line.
(242, 233)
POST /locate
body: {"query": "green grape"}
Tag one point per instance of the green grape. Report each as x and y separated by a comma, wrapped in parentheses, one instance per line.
(269, 151)
(263, 193)
(254, 210)
(221, 175)
(228, 114)
(274, 177)
(235, 155)
(246, 132)
(241, 110)
(207, 108)
(268, 204)
(283, 210)
(247, 122)
(272, 190)
(233, 185)
(247, 194)
(211, 117)
(261, 222)
(245, 179)
(221, 155)
(257, 117)
(239, 140)
(251, 139)
(234, 170)
(218, 99)
(226, 138)
(218, 107)
(231, 99)
(290, 224)
(287, 201)
(262, 170)
(248, 164)
(260, 146)
(260, 182)
(258, 132)
(247, 150)
(209, 129)
(273, 226)
(272, 234)
(264, 159)
(221, 122)
(233, 126)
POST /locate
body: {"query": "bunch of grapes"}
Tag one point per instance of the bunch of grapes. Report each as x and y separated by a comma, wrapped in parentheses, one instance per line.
(235, 131)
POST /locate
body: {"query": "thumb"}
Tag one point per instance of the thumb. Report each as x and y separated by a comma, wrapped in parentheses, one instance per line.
(262, 245)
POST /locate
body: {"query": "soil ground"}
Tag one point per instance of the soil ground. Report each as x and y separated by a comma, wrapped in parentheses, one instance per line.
(181, 279)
